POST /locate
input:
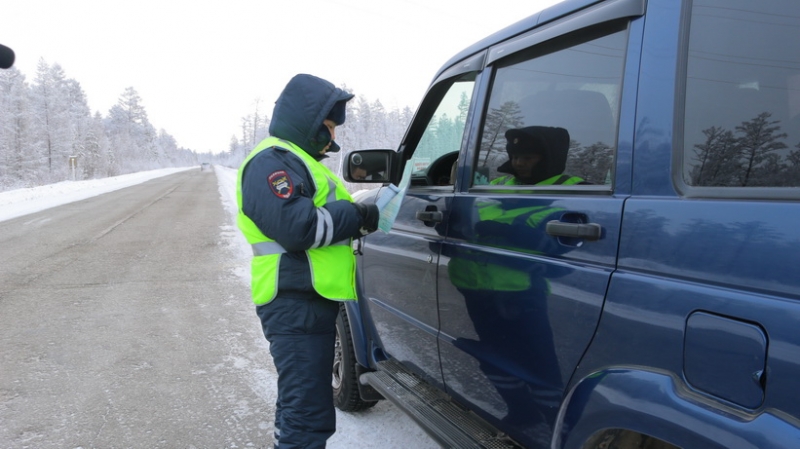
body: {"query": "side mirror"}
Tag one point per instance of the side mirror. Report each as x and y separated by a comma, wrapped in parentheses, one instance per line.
(367, 166)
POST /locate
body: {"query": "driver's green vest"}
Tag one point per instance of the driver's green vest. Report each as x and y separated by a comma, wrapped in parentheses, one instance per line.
(472, 270)
(333, 272)
(566, 180)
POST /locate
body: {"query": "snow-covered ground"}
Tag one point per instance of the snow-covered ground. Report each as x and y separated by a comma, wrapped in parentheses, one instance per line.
(16, 203)
(383, 426)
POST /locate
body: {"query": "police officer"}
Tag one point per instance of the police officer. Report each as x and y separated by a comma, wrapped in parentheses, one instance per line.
(300, 221)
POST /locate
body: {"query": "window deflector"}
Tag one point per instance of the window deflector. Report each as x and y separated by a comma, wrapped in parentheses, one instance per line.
(474, 63)
(594, 15)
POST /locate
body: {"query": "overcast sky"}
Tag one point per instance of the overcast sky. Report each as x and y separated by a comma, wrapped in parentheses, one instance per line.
(199, 67)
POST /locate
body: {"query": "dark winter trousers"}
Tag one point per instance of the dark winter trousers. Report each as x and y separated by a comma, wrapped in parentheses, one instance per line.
(301, 335)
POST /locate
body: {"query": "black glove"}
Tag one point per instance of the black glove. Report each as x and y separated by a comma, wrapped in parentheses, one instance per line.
(369, 217)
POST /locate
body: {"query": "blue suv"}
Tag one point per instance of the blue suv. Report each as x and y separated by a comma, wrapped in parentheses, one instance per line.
(599, 242)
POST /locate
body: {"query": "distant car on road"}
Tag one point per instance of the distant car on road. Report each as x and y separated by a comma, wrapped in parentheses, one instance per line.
(205, 166)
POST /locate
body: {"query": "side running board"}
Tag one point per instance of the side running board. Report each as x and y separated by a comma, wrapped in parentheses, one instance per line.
(450, 425)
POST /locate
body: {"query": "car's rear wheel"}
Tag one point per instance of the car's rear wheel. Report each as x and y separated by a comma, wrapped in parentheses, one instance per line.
(345, 378)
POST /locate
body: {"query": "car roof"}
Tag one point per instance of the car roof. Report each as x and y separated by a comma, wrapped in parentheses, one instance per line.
(547, 15)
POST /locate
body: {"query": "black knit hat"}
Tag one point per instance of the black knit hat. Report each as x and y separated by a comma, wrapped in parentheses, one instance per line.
(525, 141)
(552, 143)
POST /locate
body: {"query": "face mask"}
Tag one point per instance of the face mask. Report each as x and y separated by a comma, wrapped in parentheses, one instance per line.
(319, 141)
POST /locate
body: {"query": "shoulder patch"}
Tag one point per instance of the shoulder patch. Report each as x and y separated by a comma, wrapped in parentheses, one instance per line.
(281, 184)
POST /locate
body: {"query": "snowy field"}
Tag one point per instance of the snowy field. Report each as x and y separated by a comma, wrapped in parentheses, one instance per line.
(383, 426)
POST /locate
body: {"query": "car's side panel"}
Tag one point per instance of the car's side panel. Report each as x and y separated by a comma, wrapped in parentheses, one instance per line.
(655, 403)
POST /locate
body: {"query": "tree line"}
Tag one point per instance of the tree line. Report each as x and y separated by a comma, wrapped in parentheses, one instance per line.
(49, 134)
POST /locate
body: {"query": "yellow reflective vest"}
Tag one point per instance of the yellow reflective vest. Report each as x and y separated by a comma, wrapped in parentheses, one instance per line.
(333, 267)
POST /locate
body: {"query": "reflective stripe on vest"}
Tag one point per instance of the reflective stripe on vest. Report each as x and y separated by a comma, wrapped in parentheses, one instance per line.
(267, 248)
(332, 265)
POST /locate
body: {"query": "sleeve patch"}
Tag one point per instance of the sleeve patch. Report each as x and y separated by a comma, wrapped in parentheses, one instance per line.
(281, 184)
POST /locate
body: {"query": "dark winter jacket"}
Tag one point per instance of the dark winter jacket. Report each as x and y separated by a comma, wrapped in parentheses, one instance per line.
(288, 215)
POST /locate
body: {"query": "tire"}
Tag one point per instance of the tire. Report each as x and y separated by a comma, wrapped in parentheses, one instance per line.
(345, 377)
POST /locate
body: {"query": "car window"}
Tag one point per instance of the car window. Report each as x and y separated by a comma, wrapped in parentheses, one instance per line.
(742, 105)
(437, 151)
(559, 106)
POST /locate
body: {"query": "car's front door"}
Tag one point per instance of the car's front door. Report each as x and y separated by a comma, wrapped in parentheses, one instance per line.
(401, 265)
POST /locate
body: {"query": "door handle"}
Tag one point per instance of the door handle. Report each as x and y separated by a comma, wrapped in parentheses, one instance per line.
(430, 214)
(583, 231)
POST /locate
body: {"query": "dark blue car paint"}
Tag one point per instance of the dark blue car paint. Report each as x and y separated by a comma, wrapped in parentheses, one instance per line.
(655, 403)
(677, 277)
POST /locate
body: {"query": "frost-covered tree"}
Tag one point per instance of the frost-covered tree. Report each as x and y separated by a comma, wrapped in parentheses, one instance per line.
(45, 123)
(94, 159)
(753, 156)
(718, 159)
(363, 127)
(498, 121)
(16, 165)
(79, 120)
(760, 138)
(791, 173)
(593, 163)
(380, 129)
(51, 120)
(131, 134)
